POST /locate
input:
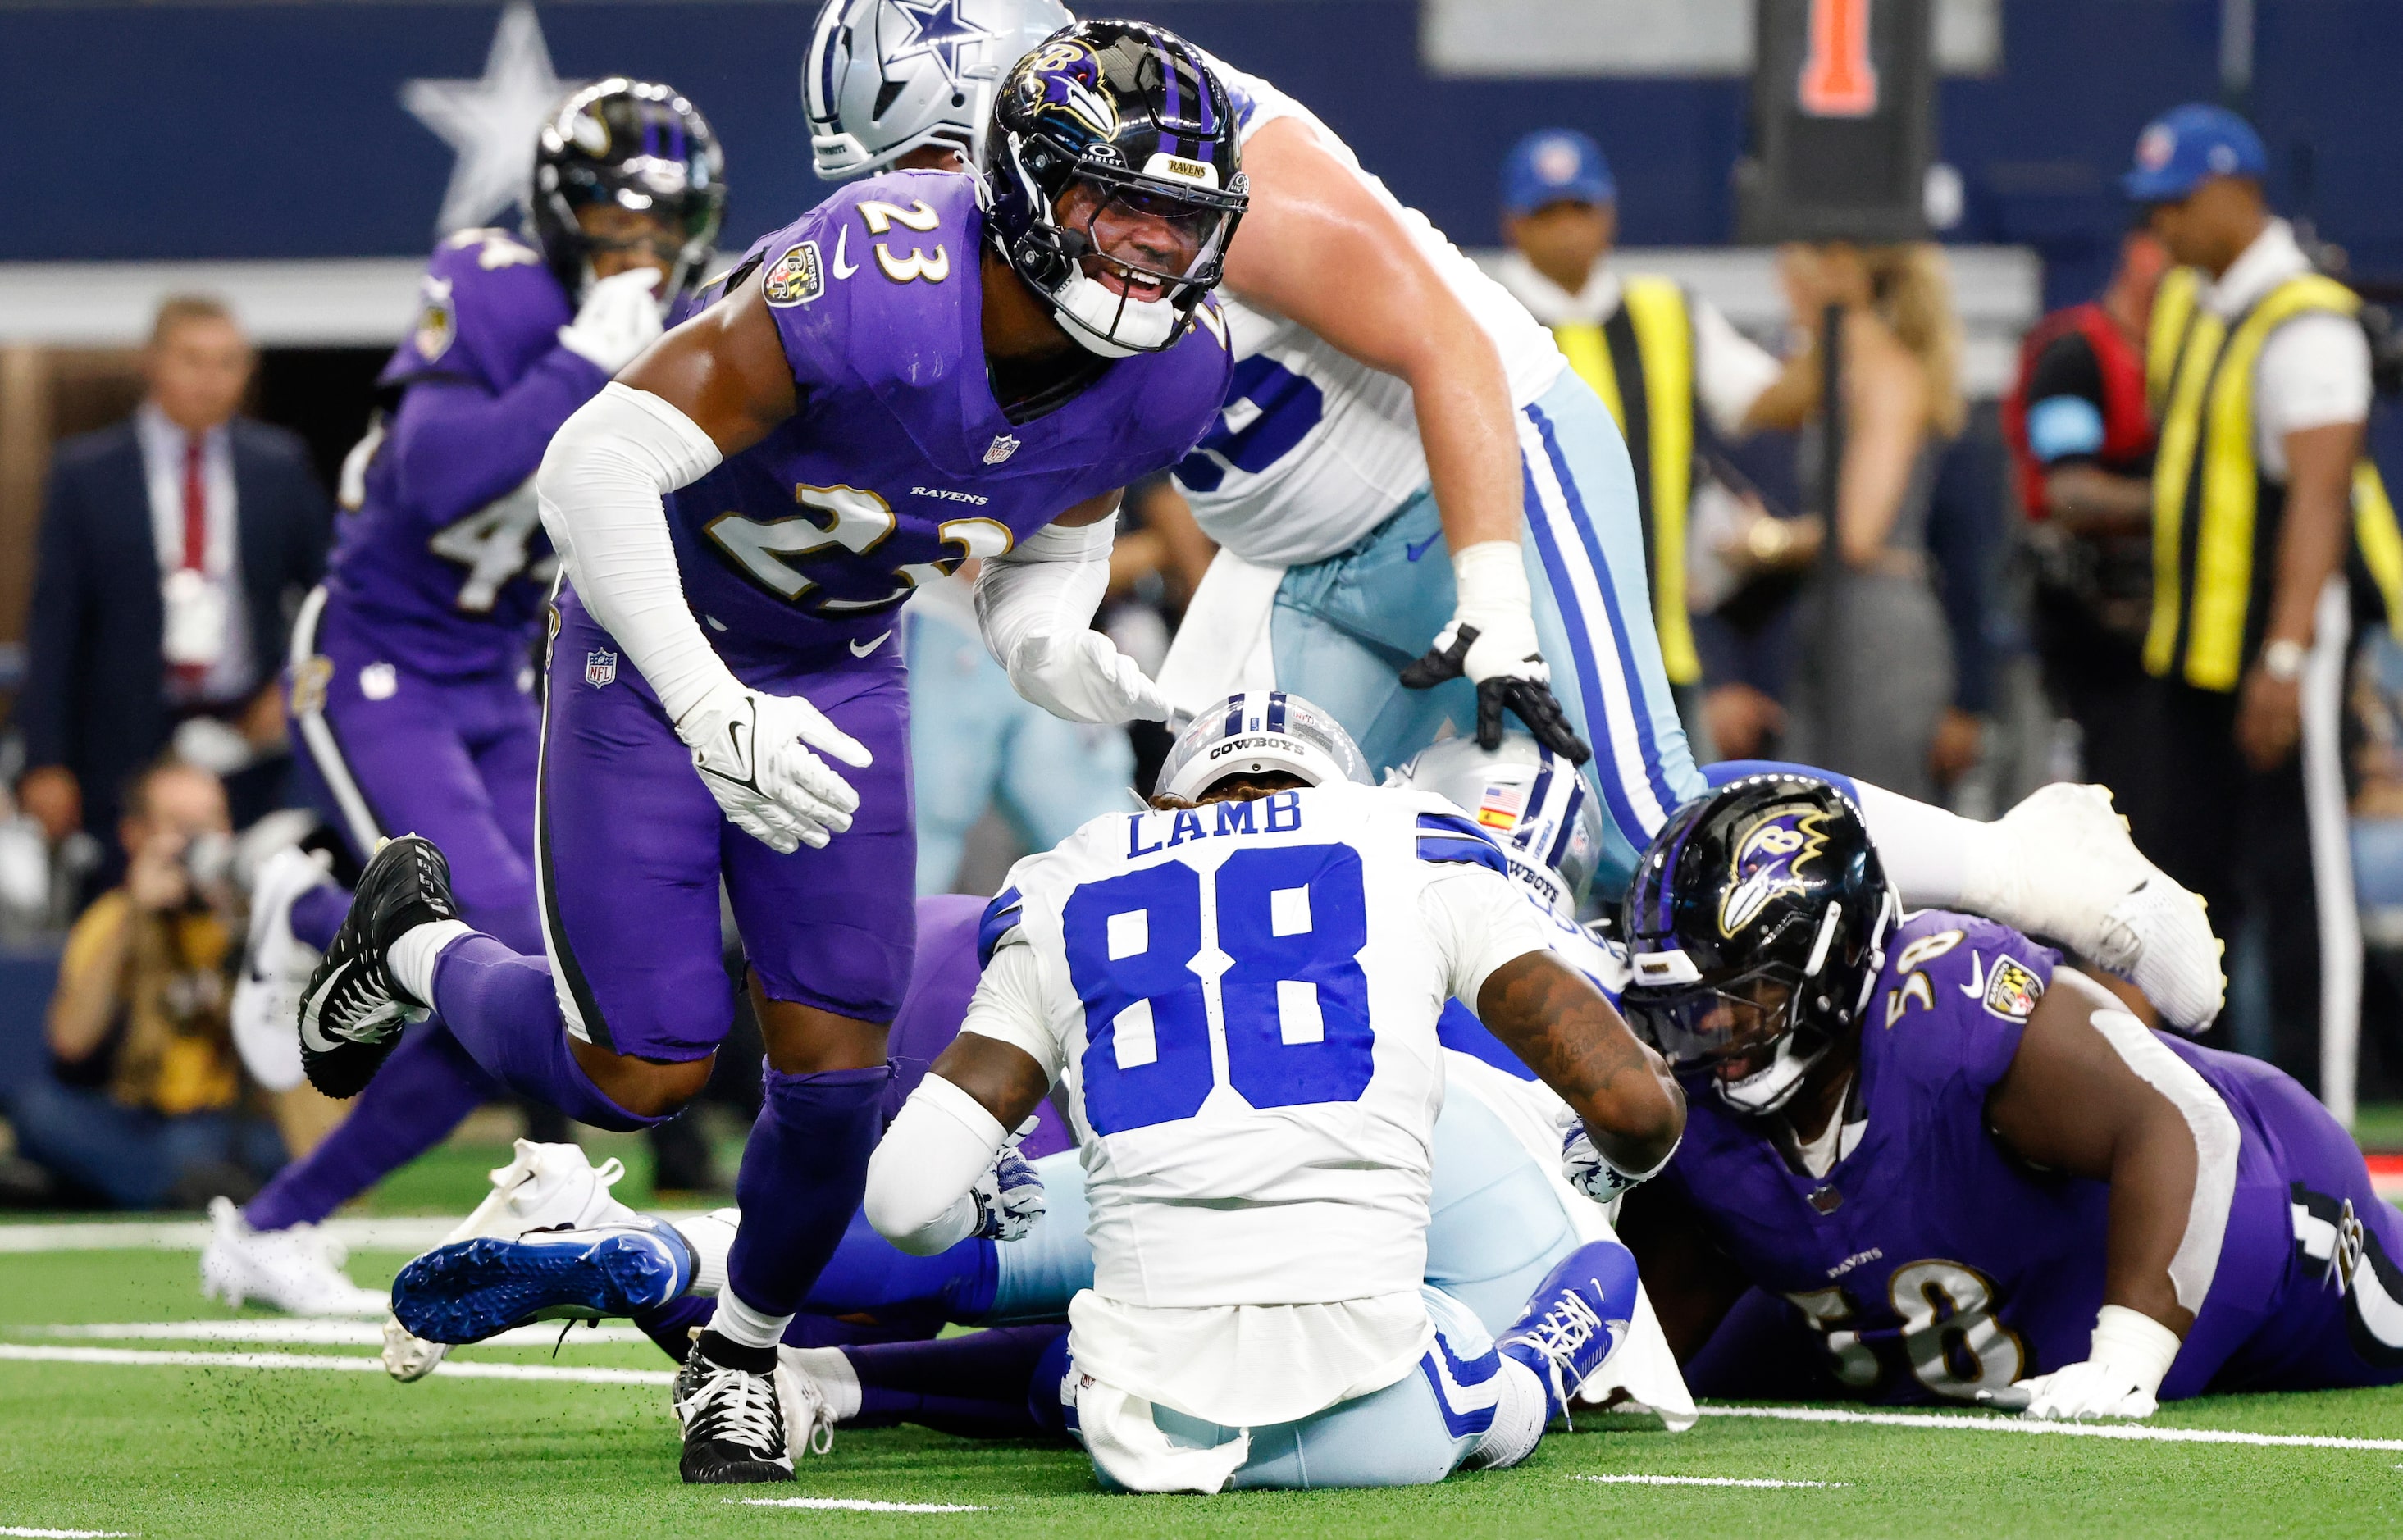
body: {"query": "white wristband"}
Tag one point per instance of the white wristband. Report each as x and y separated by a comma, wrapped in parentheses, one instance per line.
(1491, 576)
(2135, 1344)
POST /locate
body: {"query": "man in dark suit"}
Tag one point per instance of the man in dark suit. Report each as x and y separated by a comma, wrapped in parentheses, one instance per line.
(175, 547)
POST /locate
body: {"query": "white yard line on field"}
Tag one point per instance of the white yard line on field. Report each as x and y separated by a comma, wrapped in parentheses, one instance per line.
(317, 1333)
(64, 1535)
(1703, 1481)
(24, 1353)
(411, 1235)
(855, 1504)
(2133, 1431)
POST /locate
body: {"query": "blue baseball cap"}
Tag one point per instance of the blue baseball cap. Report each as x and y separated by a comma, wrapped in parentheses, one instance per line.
(2187, 146)
(1555, 166)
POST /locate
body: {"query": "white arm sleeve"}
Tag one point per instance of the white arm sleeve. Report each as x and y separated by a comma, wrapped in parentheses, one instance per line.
(1479, 920)
(2216, 1139)
(1730, 369)
(918, 1179)
(601, 488)
(1048, 584)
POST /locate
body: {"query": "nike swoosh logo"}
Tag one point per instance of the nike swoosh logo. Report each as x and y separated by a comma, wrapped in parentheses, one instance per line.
(841, 268)
(1414, 552)
(311, 1033)
(1977, 984)
(857, 650)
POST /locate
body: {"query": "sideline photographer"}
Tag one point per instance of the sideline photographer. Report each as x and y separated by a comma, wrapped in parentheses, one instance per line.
(144, 1104)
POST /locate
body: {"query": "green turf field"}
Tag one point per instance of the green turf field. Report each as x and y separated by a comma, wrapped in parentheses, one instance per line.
(262, 1448)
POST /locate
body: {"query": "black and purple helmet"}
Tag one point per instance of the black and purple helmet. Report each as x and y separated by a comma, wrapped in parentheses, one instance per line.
(1115, 181)
(633, 144)
(1755, 928)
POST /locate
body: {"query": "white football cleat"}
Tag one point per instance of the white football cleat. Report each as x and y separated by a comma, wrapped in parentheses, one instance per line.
(807, 1400)
(2062, 866)
(297, 1270)
(275, 969)
(544, 1186)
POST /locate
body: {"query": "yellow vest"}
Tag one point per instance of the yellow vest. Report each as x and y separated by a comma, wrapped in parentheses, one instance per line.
(2215, 517)
(1641, 363)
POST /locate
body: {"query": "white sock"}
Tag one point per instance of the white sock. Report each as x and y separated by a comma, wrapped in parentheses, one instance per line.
(739, 1323)
(1930, 856)
(837, 1381)
(711, 1238)
(1519, 1418)
(410, 959)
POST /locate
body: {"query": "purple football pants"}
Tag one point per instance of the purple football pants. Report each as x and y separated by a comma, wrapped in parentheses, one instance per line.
(383, 751)
(631, 848)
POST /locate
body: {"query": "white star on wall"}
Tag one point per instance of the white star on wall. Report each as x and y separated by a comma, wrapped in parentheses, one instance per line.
(491, 122)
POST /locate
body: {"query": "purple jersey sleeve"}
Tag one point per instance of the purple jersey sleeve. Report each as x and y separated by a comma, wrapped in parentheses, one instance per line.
(444, 558)
(1954, 996)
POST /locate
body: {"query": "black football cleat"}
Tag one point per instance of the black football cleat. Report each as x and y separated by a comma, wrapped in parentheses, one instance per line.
(352, 1014)
(724, 1396)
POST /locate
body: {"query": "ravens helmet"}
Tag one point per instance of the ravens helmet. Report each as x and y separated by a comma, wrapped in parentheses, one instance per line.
(632, 144)
(1756, 926)
(1115, 142)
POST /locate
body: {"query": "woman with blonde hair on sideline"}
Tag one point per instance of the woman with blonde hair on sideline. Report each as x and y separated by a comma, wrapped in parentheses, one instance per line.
(1876, 675)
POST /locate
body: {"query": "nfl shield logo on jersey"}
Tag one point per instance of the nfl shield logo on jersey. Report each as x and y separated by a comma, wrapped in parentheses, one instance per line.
(599, 668)
(1004, 446)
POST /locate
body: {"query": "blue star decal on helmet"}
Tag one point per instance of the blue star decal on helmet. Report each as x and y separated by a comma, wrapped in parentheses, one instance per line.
(938, 31)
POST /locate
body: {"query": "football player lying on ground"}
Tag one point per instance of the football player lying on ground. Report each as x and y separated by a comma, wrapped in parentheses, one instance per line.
(723, 706)
(1325, 1358)
(1389, 396)
(1927, 1162)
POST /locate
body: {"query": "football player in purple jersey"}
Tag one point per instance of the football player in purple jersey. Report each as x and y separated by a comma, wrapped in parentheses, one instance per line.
(902, 378)
(1927, 1162)
(411, 669)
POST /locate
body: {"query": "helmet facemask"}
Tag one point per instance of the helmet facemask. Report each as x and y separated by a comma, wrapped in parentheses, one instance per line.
(1113, 182)
(1125, 257)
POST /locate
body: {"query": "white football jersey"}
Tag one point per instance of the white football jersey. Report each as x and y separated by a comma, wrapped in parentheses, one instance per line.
(1241, 1000)
(1313, 449)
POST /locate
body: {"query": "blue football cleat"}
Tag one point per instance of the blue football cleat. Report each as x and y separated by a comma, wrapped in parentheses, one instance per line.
(1575, 1320)
(470, 1290)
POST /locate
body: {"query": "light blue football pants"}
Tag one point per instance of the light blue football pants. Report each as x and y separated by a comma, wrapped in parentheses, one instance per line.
(974, 744)
(1495, 1228)
(1344, 627)
(1414, 1432)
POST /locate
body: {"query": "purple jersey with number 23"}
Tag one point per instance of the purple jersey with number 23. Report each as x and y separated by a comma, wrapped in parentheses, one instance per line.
(898, 463)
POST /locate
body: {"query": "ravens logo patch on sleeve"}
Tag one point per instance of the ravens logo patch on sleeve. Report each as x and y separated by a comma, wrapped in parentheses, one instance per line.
(2012, 990)
(795, 278)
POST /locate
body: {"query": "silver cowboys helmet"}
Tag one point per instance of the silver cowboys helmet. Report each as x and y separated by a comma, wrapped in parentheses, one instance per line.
(1533, 804)
(1260, 732)
(888, 76)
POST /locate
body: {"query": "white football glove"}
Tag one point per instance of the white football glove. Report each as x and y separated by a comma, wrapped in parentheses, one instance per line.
(2119, 1378)
(1591, 1173)
(1082, 677)
(748, 749)
(619, 319)
(1008, 1197)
